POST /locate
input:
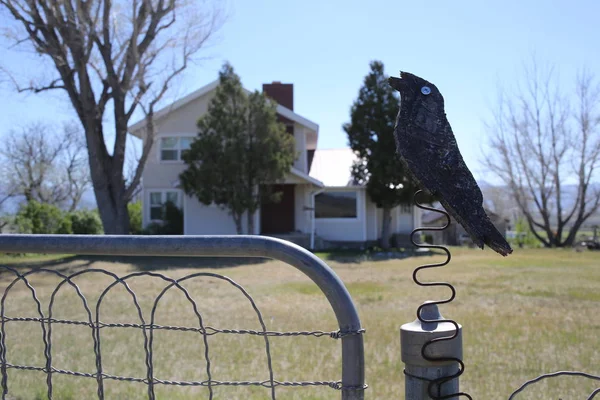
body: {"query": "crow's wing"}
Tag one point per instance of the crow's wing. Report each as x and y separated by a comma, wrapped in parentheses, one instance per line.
(430, 150)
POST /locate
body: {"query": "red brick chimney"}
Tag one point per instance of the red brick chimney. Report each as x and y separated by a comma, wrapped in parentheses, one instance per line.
(282, 93)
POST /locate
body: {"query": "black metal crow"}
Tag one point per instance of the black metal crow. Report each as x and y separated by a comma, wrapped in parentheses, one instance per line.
(426, 144)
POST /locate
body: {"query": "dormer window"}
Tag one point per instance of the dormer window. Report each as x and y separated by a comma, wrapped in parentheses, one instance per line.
(172, 147)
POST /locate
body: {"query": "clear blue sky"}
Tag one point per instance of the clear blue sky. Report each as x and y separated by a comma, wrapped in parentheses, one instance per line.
(324, 48)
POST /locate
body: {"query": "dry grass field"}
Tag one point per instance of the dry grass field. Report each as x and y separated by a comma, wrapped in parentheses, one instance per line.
(533, 312)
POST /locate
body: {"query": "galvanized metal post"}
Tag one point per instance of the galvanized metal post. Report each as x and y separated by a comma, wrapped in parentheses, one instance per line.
(419, 371)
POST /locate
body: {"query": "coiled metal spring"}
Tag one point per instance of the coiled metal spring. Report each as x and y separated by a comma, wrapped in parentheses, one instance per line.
(439, 382)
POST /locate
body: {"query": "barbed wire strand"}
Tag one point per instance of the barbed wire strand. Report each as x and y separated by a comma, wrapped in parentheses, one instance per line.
(208, 330)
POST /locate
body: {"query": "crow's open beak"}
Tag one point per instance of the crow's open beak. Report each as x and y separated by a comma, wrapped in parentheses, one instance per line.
(397, 83)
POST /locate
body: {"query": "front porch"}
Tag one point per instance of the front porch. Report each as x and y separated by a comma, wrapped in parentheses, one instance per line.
(291, 218)
(292, 214)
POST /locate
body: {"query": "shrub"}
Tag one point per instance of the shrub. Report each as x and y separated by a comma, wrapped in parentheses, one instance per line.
(40, 218)
(172, 222)
(427, 238)
(65, 227)
(524, 237)
(135, 218)
(153, 228)
(86, 222)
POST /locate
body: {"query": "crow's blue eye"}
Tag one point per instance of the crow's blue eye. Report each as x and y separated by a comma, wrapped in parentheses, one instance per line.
(425, 90)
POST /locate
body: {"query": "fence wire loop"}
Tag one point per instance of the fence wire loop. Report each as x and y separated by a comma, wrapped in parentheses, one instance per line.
(555, 375)
(47, 321)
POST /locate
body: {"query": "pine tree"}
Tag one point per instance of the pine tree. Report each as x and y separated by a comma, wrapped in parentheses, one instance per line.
(240, 149)
(371, 136)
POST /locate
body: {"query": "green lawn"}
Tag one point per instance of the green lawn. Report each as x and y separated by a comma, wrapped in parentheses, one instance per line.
(530, 313)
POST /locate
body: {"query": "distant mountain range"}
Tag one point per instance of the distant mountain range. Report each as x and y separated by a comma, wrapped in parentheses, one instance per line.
(501, 195)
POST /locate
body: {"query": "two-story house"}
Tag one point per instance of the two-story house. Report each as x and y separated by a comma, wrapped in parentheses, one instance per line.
(175, 130)
(318, 195)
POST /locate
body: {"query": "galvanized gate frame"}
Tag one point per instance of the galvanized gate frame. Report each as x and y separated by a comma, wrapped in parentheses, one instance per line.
(353, 379)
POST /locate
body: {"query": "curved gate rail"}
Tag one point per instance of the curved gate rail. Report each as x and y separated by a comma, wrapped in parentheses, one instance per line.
(350, 331)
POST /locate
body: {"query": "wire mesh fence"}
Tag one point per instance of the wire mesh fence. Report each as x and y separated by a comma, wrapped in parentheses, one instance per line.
(96, 316)
(95, 323)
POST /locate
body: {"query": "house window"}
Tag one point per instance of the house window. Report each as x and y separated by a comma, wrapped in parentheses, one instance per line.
(405, 209)
(172, 147)
(336, 205)
(158, 199)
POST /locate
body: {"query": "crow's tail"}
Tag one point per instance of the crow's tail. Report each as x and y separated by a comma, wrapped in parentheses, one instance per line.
(496, 241)
(481, 229)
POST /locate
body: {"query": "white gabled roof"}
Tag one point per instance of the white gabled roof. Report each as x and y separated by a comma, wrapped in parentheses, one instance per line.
(289, 114)
(281, 110)
(333, 167)
(306, 177)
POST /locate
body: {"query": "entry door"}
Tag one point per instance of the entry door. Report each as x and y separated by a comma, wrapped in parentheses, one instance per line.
(278, 217)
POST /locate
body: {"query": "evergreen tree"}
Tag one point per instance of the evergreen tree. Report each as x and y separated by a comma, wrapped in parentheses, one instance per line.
(240, 149)
(371, 136)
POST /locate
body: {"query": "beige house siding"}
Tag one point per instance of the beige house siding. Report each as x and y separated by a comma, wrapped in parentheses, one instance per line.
(180, 122)
(373, 224)
(184, 119)
(300, 138)
(161, 175)
(211, 220)
(301, 203)
(404, 219)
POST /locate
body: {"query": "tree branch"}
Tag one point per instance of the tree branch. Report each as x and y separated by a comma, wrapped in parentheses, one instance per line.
(105, 57)
(533, 145)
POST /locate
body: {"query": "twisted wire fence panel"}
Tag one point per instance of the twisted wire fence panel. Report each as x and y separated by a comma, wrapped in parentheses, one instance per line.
(350, 332)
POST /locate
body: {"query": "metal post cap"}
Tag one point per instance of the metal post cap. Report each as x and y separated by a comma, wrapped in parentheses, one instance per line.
(414, 335)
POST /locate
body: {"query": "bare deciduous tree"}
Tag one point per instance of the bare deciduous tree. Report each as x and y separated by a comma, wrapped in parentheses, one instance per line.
(118, 56)
(5, 195)
(542, 142)
(497, 199)
(47, 166)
